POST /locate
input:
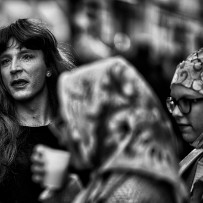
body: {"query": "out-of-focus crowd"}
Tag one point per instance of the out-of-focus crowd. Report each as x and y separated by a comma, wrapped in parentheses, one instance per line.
(98, 132)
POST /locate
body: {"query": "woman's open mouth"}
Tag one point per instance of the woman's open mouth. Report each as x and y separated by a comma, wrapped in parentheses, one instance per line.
(19, 83)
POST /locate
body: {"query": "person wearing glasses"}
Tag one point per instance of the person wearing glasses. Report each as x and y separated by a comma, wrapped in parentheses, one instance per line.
(186, 106)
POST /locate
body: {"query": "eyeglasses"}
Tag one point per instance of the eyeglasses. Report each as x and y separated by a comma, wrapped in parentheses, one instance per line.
(184, 104)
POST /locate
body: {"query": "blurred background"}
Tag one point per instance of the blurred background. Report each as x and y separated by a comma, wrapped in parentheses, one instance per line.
(154, 35)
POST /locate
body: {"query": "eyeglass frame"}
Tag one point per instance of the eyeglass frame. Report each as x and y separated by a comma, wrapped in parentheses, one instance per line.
(176, 103)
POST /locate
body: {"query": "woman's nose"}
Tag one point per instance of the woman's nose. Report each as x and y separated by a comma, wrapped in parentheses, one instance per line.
(15, 66)
(177, 112)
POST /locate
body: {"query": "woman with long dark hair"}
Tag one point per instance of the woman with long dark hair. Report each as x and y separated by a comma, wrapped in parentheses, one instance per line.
(30, 62)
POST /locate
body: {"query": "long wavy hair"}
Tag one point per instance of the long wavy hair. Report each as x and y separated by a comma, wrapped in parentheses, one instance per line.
(32, 34)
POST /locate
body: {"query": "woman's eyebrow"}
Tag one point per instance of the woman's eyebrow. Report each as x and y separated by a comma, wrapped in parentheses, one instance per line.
(23, 51)
(4, 55)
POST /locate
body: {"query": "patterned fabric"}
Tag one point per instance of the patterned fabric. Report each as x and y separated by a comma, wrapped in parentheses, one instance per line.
(135, 188)
(189, 73)
(114, 124)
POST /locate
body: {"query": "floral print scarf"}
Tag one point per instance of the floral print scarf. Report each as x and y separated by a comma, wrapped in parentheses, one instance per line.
(113, 122)
(189, 73)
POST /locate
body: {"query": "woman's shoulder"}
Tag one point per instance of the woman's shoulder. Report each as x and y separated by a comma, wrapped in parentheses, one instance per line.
(128, 188)
(191, 168)
(190, 160)
(138, 188)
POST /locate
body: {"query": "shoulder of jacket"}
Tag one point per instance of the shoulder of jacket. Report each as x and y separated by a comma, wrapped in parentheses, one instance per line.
(190, 159)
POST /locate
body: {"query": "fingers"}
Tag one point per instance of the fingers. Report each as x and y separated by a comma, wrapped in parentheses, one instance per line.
(38, 164)
(49, 166)
(38, 168)
(38, 178)
(37, 156)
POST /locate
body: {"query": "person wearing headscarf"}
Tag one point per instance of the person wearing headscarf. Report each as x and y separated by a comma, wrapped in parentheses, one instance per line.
(118, 133)
(186, 106)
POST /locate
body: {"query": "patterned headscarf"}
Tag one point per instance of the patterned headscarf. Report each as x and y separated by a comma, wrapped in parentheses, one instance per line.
(189, 73)
(114, 122)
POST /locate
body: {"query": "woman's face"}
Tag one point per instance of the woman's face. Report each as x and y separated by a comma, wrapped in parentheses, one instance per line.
(190, 125)
(23, 71)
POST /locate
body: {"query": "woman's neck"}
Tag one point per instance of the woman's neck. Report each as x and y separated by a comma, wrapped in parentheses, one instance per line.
(36, 112)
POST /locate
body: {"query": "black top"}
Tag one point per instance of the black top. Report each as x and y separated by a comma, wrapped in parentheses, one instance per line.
(18, 186)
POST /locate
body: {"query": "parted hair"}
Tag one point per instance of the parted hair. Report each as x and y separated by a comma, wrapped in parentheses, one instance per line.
(32, 34)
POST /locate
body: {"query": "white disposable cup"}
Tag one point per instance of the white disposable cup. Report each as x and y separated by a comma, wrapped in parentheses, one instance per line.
(56, 164)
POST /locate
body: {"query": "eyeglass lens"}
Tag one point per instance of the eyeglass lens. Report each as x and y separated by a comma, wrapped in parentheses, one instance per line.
(184, 105)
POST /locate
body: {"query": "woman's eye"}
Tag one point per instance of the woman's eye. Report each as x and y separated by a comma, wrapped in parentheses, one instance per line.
(4, 62)
(185, 101)
(27, 56)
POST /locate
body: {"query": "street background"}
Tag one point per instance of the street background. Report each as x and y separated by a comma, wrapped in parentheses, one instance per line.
(154, 35)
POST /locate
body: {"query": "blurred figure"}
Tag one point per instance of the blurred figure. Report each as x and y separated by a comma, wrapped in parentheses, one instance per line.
(117, 131)
(87, 30)
(31, 61)
(52, 12)
(186, 106)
